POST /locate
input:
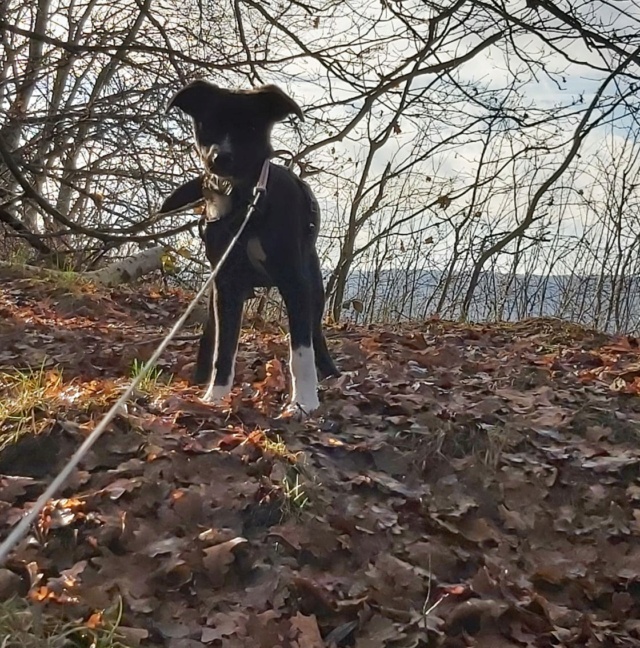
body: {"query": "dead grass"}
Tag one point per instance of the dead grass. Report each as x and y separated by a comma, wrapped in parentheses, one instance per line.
(65, 280)
(278, 449)
(31, 398)
(24, 395)
(295, 484)
(24, 625)
(448, 441)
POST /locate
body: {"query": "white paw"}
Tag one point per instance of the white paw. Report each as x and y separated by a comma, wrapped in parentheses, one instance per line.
(300, 409)
(304, 383)
(216, 393)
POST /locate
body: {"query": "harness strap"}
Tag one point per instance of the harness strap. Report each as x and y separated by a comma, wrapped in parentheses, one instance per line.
(258, 190)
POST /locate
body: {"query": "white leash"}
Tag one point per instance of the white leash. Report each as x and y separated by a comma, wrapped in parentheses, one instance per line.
(22, 527)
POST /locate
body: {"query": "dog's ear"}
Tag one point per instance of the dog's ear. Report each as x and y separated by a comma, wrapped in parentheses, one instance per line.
(276, 104)
(194, 97)
(187, 195)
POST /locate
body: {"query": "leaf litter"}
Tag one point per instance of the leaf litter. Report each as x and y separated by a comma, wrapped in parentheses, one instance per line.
(461, 485)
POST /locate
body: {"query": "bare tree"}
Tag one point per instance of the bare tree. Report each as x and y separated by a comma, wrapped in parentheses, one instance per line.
(447, 179)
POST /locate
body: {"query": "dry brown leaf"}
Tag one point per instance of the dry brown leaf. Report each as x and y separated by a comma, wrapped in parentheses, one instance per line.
(305, 632)
(450, 460)
(218, 558)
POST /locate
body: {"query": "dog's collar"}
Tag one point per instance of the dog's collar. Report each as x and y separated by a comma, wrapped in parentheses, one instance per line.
(217, 184)
(224, 186)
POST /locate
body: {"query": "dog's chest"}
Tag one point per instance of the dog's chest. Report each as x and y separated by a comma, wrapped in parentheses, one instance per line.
(217, 205)
(216, 196)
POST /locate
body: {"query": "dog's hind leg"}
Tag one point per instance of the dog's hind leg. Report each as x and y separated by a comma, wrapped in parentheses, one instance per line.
(227, 304)
(295, 291)
(324, 363)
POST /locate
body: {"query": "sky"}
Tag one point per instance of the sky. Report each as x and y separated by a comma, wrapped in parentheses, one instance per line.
(491, 68)
(307, 83)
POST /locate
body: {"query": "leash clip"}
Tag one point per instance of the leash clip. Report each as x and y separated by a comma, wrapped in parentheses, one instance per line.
(261, 185)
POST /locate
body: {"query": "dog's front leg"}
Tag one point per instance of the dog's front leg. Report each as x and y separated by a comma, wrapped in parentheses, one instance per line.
(204, 362)
(304, 379)
(227, 303)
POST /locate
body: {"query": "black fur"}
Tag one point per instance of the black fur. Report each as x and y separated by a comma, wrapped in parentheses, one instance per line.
(278, 247)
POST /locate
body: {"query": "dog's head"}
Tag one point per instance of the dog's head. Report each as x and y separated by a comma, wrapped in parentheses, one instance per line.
(232, 128)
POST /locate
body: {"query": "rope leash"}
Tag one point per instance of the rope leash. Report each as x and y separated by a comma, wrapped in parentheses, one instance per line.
(22, 527)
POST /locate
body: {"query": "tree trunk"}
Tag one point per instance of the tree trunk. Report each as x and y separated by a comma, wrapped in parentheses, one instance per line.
(129, 269)
(119, 272)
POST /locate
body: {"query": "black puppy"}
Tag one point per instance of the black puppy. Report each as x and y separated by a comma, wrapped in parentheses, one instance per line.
(232, 130)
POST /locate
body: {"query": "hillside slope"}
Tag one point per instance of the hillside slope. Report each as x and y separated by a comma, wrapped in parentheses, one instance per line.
(462, 485)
